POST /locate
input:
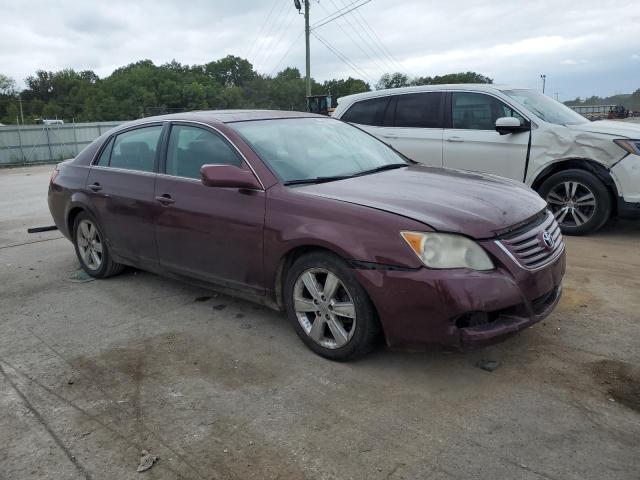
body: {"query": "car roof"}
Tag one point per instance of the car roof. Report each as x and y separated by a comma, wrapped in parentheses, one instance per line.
(476, 87)
(227, 116)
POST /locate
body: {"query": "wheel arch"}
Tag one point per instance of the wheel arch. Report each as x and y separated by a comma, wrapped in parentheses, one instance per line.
(591, 166)
(285, 262)
(71, 217)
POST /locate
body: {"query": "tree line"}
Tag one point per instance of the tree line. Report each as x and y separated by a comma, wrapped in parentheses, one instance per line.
(143, 89)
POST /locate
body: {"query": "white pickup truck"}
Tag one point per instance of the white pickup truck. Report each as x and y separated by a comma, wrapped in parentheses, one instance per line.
(587, 171)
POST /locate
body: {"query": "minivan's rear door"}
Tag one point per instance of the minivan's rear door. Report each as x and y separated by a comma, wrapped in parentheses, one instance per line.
(472, 143)
(417, 126)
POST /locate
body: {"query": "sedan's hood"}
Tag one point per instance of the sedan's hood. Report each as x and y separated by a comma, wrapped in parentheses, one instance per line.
(477, 205)
(610, 127)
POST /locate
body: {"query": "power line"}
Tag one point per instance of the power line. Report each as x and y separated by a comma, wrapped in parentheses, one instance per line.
(379, 41)
(379, 62)
(275, 67)
(281, 34)
(339, 10)
(342, 57)
(318, 25)
(274, 28)
(266, 21)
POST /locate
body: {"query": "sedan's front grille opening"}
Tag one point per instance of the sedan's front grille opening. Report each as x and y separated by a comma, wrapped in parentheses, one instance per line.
(535, 246)
(475, 319)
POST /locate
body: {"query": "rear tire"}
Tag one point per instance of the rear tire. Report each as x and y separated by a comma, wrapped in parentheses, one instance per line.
(91, 247)
(338, 320)
(578, 199)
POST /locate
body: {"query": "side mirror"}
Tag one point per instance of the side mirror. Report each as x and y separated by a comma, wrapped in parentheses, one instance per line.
(228, 176)
(506, 125)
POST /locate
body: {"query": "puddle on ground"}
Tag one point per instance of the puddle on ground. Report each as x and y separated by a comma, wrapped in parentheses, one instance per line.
(621, 381)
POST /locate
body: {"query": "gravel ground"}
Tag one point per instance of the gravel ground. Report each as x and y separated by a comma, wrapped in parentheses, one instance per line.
(94, 372)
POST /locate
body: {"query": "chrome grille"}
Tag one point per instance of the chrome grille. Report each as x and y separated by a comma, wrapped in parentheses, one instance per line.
(528, 248)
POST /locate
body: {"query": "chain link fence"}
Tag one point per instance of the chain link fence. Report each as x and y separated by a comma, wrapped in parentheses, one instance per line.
(28, 144)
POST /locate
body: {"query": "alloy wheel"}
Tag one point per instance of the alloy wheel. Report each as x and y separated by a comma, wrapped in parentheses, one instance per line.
(89, 244)
(324, 308)
(572, 203)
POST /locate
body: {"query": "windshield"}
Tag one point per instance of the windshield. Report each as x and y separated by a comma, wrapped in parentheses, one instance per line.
(315, 148)
(546, 108)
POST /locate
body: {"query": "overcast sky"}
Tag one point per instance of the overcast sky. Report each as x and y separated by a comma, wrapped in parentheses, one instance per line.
(584, 47)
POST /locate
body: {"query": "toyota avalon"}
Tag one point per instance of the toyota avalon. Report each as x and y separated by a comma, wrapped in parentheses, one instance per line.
(313, 216)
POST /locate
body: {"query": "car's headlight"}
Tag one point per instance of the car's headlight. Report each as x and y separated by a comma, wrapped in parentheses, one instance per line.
(446, 250)
(631, 146)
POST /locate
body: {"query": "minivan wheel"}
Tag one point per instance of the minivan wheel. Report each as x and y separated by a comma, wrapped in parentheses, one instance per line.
(329, 309)
(91, 249)
(579, 201)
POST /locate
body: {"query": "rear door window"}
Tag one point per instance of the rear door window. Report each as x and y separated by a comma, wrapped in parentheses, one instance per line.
(136, 149)
(192, 147)
(367, 112)
(419, 110)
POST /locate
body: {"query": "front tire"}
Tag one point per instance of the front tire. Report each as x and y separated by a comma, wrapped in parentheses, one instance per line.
(329, 309)
(578, 199)
(91, 248)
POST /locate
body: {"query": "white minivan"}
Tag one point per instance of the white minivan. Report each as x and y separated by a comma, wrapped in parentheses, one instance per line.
(587, 171)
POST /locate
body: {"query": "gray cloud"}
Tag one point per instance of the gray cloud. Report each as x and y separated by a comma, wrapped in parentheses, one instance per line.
(586, 47)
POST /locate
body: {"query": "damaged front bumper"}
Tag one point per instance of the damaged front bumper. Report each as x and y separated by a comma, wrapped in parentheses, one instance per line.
(460, 308)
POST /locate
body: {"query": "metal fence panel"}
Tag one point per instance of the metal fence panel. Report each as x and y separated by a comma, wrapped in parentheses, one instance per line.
(22, 145)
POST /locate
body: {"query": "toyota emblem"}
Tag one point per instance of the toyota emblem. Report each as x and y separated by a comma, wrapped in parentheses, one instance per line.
(548, 240)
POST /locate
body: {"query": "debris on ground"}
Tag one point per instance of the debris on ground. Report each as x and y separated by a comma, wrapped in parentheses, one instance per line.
(80, 276)
(220, 306)
(41, 229)
(146, 461)
(488, 365)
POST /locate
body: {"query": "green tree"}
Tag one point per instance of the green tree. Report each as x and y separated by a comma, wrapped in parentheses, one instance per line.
(7, 85)
(461, 77)
(392, 80)
(230, 71)
(340, 88)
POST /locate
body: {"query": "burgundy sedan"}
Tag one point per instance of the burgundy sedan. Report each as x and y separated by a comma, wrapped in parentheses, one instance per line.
(313, 216)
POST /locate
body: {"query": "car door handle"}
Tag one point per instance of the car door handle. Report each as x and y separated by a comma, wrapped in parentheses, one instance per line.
(165, 199)
(455, 139)
(392, 137)
(95, 187)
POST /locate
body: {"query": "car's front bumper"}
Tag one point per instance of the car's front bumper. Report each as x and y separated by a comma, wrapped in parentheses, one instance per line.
(425, 307)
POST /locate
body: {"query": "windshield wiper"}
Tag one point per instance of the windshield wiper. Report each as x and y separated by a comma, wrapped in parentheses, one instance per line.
(382, 168)
(303, 181)
(391, 166)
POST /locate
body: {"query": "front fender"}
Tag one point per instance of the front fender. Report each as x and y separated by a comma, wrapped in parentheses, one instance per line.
(354, 232)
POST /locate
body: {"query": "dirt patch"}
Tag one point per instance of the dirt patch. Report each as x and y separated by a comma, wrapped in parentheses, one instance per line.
(573, 299)
(621, 380)
(172, 355)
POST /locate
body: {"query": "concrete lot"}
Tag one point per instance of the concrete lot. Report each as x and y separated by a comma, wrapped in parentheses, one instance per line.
(93, 372)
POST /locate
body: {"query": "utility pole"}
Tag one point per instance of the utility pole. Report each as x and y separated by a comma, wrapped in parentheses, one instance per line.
(306, 37)
(21, 114)
(544, 81)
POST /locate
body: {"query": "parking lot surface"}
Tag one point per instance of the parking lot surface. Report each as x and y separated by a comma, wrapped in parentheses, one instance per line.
(94, 372)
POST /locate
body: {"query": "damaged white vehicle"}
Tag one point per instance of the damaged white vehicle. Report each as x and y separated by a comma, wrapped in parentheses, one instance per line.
(588, 172)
